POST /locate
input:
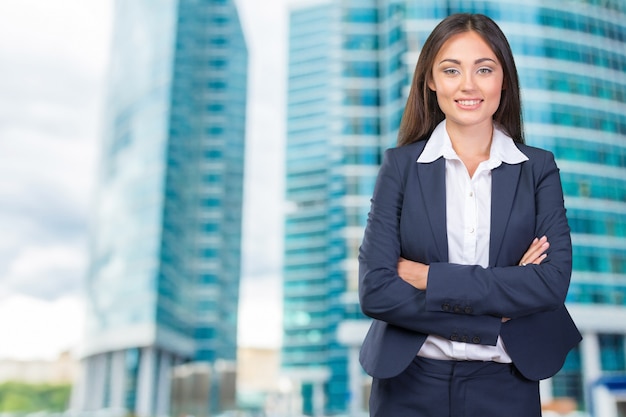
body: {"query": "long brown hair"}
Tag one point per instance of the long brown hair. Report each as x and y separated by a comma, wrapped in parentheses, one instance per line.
(422, 113)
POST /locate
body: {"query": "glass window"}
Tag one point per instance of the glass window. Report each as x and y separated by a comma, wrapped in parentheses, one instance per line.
(211, 202)
(361, 69)
(217, 85)
(217, 63)
(361, 97)
(361, 15)
(213, 154)
(218, 41)
(568, 382)
(361, 41)
(215, 107)
(361, 126)
(210, 227)
(612, 355)
(209, 253)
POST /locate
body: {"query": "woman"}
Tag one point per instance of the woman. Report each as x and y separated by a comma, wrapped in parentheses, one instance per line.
(466, 258)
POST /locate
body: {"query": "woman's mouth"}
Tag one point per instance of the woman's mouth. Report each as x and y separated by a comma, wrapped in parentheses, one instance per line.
(468, 103)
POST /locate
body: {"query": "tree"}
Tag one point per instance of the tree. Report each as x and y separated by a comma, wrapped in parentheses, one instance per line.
(23, 397)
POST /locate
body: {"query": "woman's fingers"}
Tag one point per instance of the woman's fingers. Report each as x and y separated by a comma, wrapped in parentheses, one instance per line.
(536, 252)
(540, 259)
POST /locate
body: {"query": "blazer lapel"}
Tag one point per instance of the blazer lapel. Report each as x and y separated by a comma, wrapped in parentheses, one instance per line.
(504, 181)
(432, 179)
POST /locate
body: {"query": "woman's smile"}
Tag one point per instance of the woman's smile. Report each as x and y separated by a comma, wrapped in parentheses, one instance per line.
(468, 103)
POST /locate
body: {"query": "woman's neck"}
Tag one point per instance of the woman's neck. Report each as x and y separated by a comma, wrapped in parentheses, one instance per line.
(471, 144)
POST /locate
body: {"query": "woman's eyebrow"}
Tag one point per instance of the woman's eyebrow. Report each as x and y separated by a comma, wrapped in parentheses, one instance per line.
(481, 60)
(457, 62)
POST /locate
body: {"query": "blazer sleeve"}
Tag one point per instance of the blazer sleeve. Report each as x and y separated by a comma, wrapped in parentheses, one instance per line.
(509, 290)
(383, 294)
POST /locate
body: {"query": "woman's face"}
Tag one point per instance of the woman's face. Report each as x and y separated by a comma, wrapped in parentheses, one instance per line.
(468, 80)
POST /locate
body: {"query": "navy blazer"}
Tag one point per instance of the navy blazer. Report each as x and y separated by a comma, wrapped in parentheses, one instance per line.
(466, 302)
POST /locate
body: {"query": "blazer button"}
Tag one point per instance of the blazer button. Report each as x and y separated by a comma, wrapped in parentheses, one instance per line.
(445, 307)
(454, 337)
(457, 308)
(468, 310)
(476, 339)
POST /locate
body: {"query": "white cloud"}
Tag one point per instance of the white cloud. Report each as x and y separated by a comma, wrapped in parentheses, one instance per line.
(46, 272)
(37, 329)
(68, 31)
(51, 79)
(38, 260)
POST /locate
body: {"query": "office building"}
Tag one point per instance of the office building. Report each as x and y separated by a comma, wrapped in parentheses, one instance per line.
(350, 66)
(162, 286)
(325, 158)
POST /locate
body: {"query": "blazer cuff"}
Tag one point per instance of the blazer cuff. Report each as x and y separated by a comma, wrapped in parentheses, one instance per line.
(473, 328)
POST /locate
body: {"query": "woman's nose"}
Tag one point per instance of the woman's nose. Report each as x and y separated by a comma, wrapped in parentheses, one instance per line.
(467, 81)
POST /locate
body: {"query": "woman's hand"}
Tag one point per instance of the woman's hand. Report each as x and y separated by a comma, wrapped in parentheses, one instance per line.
(414, 273)
(535, 253)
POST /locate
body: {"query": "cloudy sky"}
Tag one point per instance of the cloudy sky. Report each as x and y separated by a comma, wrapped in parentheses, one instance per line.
(53, 57)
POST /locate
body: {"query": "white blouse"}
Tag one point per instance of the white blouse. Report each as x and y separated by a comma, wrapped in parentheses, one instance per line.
(468, 219)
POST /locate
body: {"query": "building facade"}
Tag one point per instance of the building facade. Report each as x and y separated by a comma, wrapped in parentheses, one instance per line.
(162, 286)
(334, 125)
(350, 66)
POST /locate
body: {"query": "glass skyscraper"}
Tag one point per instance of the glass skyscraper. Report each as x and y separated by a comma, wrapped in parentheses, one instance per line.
(345, 100)
(162, 287)
(350, 66)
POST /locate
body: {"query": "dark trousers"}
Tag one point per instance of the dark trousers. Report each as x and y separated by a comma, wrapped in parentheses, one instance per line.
(435, 388)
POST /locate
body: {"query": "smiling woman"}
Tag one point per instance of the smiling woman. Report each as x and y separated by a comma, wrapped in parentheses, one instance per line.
(463, 216)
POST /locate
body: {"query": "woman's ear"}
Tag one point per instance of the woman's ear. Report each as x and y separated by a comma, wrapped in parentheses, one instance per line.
(431, 85)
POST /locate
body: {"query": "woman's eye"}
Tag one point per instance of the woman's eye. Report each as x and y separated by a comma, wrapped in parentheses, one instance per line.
(450, 71)
(485, 70)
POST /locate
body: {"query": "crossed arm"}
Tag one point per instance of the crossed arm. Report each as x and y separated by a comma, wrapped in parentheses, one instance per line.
(416, 273)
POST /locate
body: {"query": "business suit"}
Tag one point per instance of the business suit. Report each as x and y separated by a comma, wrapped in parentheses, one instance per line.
(465, 302)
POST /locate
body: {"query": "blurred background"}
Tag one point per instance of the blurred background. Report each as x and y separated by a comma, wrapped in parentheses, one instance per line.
(184, 185)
